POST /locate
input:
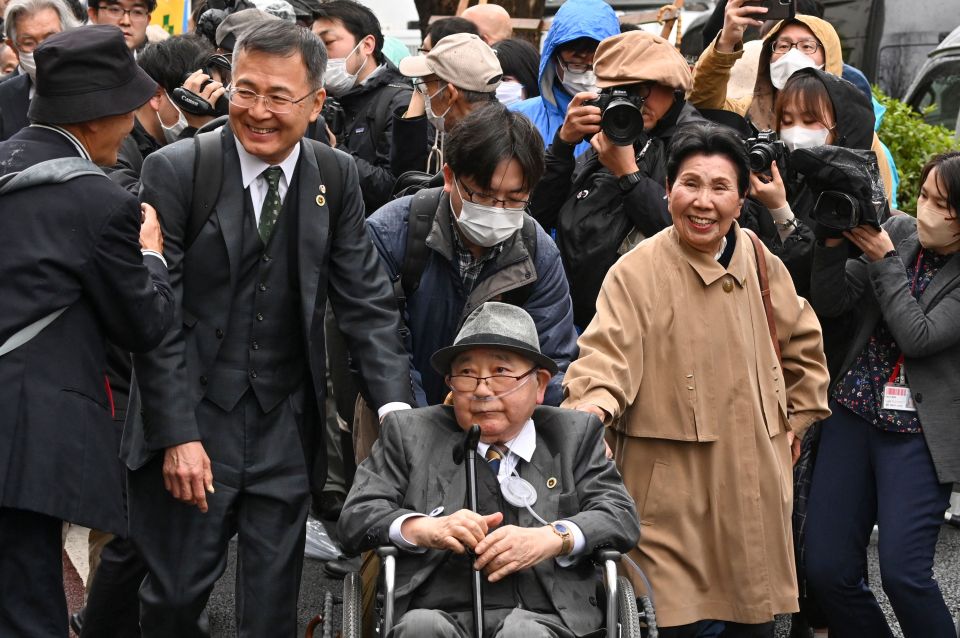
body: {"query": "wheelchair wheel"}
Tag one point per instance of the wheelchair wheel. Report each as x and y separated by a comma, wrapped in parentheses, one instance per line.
(627, 614)
(352, 608)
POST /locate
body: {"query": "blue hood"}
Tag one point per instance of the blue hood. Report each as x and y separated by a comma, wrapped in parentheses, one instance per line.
(575, 19)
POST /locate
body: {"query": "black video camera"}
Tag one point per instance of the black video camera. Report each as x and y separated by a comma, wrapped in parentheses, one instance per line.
(763, 150)
(333, 115)
(192, 103)
(621, 115)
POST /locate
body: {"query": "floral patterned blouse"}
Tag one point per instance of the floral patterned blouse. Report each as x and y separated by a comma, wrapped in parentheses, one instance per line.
(861, 389)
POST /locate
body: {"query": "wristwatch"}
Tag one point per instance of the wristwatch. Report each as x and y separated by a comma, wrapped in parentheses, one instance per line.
(629, 180)
(566, 537)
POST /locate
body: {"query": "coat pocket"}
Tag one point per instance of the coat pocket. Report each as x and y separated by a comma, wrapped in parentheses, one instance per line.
(656, 494)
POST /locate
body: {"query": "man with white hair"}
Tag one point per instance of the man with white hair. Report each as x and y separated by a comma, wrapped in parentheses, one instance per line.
(26, 24)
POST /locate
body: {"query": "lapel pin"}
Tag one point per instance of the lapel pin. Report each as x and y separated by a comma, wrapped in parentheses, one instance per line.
(551, 483)
(323, 189)
(321, 200)
(436, 511)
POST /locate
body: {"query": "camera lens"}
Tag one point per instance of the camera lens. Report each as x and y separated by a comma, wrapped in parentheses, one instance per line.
(622, 122)
(760, 157)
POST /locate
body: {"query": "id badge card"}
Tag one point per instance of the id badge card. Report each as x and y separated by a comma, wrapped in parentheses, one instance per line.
(898, 397)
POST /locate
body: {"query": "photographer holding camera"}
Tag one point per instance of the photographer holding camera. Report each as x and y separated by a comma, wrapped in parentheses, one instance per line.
(892, 442)
(611, 197)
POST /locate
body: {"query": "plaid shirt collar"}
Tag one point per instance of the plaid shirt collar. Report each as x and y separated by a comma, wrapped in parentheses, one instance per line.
(469, 266)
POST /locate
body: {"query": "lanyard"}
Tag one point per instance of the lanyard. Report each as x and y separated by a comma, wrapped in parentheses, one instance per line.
(896, 377)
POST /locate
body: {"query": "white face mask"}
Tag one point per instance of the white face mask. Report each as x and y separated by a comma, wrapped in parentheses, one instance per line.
(172, 133)
(801, 137)
(578, 82)
(336, 80)
(436, 119)
(509, 92)
(29, 66)
(791, 62)
(486, 225)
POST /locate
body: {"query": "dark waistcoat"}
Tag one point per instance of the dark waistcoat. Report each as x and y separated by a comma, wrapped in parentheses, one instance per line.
(262, 346)
(448, 588)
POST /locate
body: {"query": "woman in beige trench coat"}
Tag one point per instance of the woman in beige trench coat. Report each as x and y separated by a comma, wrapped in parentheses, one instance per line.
(679, 362)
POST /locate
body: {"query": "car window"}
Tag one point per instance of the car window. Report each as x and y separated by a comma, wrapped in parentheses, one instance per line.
(940, 92)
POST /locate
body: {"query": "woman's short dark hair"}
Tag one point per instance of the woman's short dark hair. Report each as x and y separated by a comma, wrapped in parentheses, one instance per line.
(708, 139)
(520, 59)
(490, 134)
(948, 177)
(449, 26)
(357, 19)
(808, 96)
(285, 39)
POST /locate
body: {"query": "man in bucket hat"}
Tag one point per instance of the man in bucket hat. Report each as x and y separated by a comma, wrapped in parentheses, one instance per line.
(72, 276)
(410, 493)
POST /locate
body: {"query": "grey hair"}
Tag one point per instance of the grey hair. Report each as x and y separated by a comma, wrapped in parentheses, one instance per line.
(285, 39)
(19, 8)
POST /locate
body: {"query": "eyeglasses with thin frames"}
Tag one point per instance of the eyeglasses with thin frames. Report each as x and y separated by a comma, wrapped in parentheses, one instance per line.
(485, 199)
(116, 12)
(280, 104)
(497, 383)
(806, 47)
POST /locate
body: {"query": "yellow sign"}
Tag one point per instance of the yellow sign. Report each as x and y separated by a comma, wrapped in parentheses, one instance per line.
(171, 15)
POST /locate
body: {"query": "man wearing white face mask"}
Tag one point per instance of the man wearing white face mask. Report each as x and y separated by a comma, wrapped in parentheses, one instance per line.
(451, 248)
(27, 23)
(802, 42)
(367, 86)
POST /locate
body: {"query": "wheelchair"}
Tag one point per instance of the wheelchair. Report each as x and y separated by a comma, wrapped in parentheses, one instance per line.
(624, 612)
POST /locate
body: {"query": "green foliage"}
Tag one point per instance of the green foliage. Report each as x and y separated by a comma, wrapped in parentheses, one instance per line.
(912, 142)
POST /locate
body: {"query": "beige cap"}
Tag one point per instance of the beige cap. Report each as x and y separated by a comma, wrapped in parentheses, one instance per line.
(638, 56)
(462, 59)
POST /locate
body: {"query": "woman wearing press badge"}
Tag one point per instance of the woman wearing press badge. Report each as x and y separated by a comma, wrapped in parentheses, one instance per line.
(891, 450)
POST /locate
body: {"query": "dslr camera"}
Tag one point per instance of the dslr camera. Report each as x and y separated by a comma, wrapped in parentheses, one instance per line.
(621, 115)
(194, 104)
(763, 150)
(333, 115)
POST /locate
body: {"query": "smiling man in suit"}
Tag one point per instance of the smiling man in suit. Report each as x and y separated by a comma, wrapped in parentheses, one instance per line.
(411, 493)
(230, 438)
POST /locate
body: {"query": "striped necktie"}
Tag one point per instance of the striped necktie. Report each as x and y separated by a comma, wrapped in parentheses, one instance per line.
(494, 455)
(270, 211)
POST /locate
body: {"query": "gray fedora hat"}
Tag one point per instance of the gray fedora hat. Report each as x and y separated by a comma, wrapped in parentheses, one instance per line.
(496, 325)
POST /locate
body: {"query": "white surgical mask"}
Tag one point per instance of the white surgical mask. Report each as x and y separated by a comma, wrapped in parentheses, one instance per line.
(29, 66)
(801, 137)
(578, 82)
(509, 92)
(791, 62)
(172, 133)
(486, 226)
(436, 119)
(336, 80)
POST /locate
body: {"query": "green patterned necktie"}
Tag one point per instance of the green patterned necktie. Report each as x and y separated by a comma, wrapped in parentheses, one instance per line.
(270, 210)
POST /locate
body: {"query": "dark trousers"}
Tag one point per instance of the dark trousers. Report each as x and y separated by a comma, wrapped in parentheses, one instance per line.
(113, 603)
(865, 475)
(261, 494)
(716, 629)
(32, 602)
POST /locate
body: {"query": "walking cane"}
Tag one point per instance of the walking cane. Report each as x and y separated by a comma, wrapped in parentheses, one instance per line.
(468, 451)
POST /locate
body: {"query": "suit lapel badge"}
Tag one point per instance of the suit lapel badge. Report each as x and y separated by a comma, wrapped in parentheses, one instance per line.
(321, 200)
(551, 483)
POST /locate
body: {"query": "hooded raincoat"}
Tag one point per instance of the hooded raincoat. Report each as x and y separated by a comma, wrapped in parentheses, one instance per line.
(575, 19)
(713, 73)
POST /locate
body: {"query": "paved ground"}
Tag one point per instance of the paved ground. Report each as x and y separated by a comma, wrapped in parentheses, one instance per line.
(315, 584)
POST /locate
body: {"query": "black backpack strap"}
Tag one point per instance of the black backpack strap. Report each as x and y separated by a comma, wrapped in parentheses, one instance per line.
(53, 171)
(207, 179)
(423, 210)
(520, 296)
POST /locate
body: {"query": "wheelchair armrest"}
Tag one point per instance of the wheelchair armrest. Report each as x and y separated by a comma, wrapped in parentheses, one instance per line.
(601, 556)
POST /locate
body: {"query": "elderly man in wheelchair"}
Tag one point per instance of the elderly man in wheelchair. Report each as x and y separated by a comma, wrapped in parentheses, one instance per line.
(548, 499)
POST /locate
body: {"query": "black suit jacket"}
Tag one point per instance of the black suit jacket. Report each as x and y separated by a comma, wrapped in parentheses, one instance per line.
(14, 102)
(338, 262)
(72, 245)
(411, 470)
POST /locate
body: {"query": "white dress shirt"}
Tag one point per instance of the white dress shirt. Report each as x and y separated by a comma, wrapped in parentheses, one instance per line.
(251, 172)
